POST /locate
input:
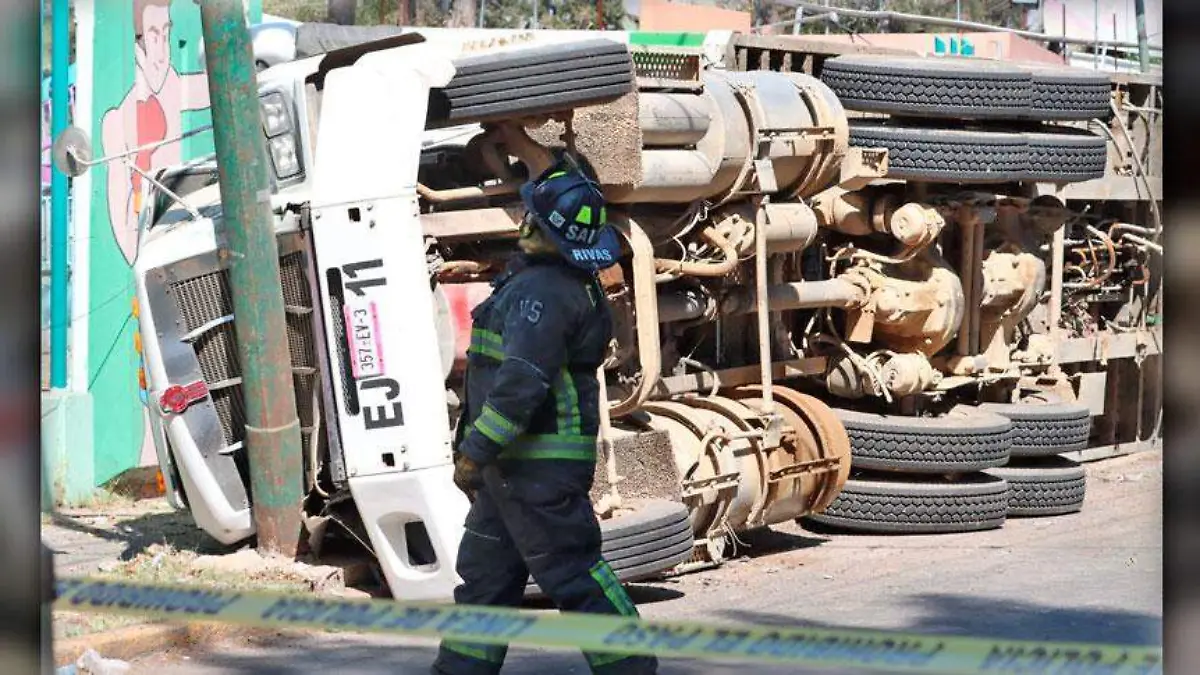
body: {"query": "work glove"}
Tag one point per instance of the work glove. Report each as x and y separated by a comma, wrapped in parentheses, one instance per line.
(467, 476)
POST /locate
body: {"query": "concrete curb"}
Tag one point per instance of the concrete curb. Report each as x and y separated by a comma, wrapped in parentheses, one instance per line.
(131, 642)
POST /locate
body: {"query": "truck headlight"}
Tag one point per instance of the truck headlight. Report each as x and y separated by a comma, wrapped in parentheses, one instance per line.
(283, 156)
(280, 131)
(275, 117)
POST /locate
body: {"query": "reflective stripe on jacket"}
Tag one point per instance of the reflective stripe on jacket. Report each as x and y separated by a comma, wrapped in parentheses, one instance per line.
(536, 342)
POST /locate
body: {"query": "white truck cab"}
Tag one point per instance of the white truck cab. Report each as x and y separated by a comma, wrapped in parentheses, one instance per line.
(351, 249)
(371, 335)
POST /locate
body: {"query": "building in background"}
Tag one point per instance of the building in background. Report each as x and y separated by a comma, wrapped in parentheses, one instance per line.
(664, 15)
(989, 45)
(1104, 20)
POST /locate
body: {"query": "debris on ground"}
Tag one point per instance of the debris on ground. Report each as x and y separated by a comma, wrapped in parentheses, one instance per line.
(147, 541)
(91, 663)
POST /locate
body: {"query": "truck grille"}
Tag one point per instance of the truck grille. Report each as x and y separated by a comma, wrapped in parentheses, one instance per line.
(207, 301)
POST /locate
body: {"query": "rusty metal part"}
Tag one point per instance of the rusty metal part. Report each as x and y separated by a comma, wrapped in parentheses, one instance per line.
(915, 225)
(709, 471)
(673, 120)
(699, 467)
(703, 269)
(842, 211)
(473, 224)
(736, 223)
(748, 509)
(840, 292)
(819, 448)
(966, 267)
(734, 476)
(970, 219)
(763, 308)
(838, 157)
(733, 235)
(908, 374)
(861, 167)
(623, 346)
(1111, 250)
(790, 119)
(960, 365)
(1013, 284)
(735, 377)
(470, 192)
(613, 498)
(918, 305)
(1144, 243)
(844, 379)
(464, 267)
(1054, 306)
(645, 307)
(882, 208)
(790, 227)
(1039, 351)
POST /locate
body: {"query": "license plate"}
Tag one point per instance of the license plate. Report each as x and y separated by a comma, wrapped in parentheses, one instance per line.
(362, 335)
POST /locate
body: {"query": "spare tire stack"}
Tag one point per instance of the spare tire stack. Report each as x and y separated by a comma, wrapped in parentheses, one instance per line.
(534, 81)
(972, 120)
(967, 121)
(923, 475)
(1043, 482)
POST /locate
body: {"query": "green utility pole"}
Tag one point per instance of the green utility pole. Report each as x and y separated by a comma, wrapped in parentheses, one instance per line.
(272, 425)
(60, 48)
(1139, 8)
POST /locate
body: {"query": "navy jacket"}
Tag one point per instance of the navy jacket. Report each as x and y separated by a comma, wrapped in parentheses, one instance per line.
(531, 393)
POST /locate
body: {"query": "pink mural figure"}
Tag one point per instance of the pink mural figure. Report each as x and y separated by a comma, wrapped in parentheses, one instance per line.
(150, 112)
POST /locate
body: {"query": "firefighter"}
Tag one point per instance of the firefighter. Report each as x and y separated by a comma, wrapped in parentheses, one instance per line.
(525, 449)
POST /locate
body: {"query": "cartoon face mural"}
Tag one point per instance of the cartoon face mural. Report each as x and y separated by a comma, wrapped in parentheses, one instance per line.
(147, 87)
(149, 114)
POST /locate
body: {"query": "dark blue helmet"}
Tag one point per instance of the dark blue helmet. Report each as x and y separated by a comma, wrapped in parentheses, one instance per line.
(569, 208)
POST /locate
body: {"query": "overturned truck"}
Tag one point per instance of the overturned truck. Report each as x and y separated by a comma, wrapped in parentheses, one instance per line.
(873, 292)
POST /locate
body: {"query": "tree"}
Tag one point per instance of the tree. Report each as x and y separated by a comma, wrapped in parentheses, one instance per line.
(554, 14)
(561, 14)
(992, 12)
(343, 11)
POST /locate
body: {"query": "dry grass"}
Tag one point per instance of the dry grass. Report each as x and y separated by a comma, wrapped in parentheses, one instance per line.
(164, 564)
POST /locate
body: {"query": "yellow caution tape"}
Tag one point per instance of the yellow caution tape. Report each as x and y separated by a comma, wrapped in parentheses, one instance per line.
(871, 650)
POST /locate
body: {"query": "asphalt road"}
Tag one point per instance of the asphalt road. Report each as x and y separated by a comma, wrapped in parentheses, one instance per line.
(1095, 576)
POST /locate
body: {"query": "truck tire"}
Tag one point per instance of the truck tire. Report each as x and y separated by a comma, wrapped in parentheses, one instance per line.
(1066, 156)
(530, 82)
(1061, 93)
(654, 538)
(955, 443)
(945, 155)
(918, 505)
(924, 87)
(1049, 486)
(1049, 427)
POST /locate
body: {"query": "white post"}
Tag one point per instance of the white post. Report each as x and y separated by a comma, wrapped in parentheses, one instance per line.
(81, 202)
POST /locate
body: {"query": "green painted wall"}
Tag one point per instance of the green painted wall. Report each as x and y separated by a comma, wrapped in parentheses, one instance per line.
(143, 91)
(662, 39)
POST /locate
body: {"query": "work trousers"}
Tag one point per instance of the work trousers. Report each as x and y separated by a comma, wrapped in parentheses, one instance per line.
(518, 527)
